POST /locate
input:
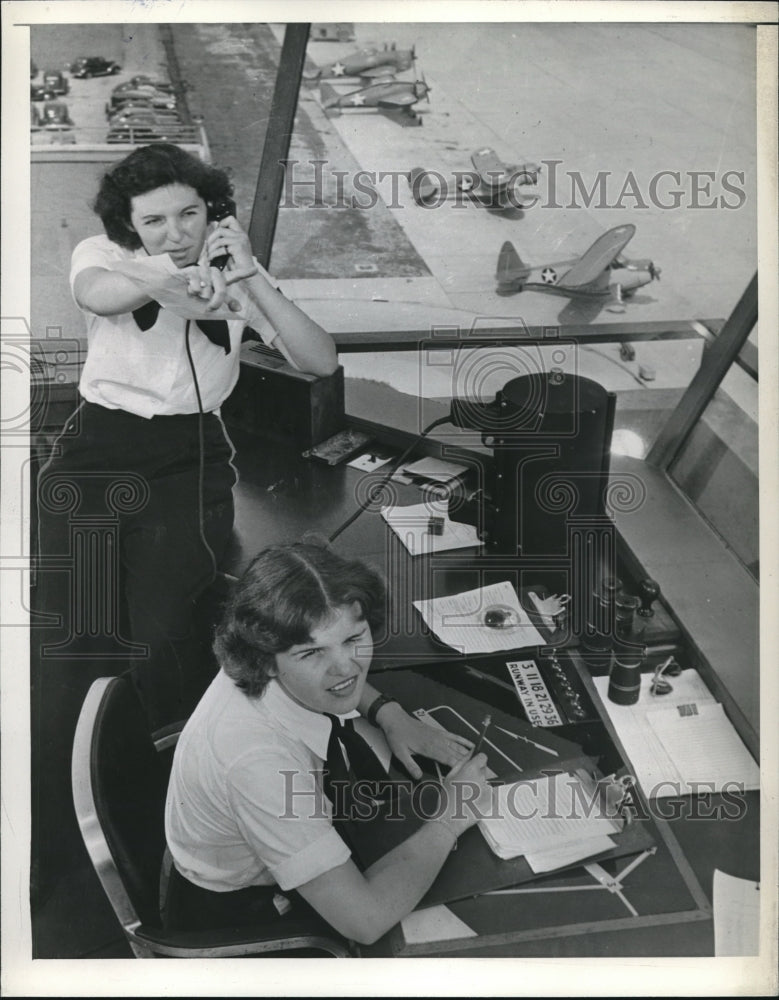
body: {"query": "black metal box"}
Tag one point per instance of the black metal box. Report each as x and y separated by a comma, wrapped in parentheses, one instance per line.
(279, 402)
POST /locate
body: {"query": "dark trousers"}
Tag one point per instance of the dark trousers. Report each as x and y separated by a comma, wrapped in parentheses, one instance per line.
(190, 908)
(131, 527)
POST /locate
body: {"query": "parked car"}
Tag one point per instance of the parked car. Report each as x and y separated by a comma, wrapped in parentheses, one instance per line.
(146, 116)
(145, 94)
(53, 84)
(54, 116)
(143, 81)
(86, 66)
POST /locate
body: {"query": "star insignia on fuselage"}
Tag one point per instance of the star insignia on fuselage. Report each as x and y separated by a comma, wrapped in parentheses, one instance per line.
(358, 99)
(338, 69)
(549, 275)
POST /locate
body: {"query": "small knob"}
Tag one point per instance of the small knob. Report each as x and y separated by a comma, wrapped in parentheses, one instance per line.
(648, 591)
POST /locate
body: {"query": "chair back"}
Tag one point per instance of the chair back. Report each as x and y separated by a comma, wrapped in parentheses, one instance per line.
(119, 788)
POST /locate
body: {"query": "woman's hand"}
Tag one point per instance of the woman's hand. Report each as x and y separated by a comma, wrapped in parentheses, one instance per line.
(207, 284)
(467, 796)
(229, 238)
(407, 736)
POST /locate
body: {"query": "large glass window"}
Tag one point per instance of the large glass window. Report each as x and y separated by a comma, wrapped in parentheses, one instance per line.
(717, 467)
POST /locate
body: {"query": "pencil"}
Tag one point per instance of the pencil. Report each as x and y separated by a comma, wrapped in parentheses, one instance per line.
(484, 727)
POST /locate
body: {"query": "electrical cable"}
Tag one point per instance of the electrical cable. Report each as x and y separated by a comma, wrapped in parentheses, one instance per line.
(374, 490)
(201, 455)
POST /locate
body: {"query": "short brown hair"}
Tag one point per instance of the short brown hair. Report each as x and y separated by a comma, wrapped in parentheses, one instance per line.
(287, 592)
(147, 168)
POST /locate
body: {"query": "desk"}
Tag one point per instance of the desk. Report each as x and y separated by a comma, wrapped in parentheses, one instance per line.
(279, 498)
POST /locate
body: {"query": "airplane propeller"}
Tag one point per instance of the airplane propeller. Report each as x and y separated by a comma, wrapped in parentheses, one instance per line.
(427, 89)
(654, 271)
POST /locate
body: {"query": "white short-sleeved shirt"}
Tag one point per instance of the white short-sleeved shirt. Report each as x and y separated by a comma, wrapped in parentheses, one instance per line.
(147, 372)
(245, 802)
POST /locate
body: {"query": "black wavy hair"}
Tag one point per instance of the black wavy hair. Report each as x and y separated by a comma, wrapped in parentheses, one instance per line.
(286, 593)
(145, 169)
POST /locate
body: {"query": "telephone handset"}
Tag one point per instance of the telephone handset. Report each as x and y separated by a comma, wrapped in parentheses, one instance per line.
(217, 210)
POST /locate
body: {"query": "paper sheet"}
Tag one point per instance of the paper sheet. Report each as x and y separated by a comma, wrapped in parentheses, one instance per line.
(653, 766)
(410, 525)
(459, 620)
(554, 813)
(736, 904)
(436, 923)
(705, 749)
(568, 854)
(436, 470)
(369, 461)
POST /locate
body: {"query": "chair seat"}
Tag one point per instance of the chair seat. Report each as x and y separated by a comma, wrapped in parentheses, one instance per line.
(251, 939)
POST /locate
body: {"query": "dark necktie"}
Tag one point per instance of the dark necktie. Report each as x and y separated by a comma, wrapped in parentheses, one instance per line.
(373, 831)
(362, 765)
(216, 330)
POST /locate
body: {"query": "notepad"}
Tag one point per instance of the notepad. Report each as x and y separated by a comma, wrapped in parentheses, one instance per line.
(556, 813)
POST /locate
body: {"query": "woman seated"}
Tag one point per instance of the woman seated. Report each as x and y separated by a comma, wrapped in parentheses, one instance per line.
(247, 811)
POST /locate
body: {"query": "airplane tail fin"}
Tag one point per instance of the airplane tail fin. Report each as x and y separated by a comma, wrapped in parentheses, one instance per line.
(511, 273)
(329, 95)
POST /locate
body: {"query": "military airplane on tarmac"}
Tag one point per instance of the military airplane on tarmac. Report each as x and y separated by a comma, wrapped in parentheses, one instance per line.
(492, 183)
(367, 63)
(601, 272)
(392, 97)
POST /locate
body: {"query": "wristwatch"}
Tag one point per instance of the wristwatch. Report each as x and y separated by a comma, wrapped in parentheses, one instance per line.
(377, 704)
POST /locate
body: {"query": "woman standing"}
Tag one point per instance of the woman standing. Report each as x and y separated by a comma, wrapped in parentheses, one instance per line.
(164, 328)
(135, 504)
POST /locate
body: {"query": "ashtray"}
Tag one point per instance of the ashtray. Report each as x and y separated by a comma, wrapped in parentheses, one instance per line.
(501, 616)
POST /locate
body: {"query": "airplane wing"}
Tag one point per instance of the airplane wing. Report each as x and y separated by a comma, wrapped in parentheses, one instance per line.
(397, 101)
(594, 262)
(489, 167)
(374, 72)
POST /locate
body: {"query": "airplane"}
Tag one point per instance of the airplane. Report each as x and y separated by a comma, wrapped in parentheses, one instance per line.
(367, 63)
(393, 97)
(493, 183)
(601, 272)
